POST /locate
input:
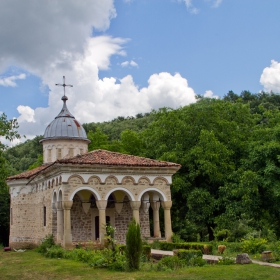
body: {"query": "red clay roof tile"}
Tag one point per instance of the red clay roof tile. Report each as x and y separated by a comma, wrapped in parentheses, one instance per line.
(112, 158)
(100, 157)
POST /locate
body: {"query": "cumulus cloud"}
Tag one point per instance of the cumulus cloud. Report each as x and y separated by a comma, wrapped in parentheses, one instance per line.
(270, 78)
(95, 100)
(49, 31)
(210, 94)
(129, 63)
(215, 3)
(10, 81)
(58, 41)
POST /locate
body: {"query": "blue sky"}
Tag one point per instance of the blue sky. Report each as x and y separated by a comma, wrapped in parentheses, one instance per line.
(127, 57)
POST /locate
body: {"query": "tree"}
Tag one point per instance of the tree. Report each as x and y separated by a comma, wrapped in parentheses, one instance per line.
(133, 246)
(8, 130)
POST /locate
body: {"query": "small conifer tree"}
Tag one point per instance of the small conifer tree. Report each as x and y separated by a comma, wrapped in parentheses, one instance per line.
(133, 246)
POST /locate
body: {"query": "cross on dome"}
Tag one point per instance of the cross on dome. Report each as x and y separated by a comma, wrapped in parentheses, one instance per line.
(64, 85)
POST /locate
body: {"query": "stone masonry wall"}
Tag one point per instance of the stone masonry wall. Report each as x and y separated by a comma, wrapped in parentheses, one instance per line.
(80, 222)
(125, 217)
(27, 228)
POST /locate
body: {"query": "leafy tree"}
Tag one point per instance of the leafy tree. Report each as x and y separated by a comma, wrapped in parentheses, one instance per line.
(8, 130)
(131, 142)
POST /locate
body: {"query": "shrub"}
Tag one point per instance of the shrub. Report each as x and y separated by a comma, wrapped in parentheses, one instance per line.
(47, 243)
(168, 246)
(119, 264)
(133, 246)
(55, 252)
(190, 257)
(156, 245)
(146, 251)
(169, 263)
(254, 245)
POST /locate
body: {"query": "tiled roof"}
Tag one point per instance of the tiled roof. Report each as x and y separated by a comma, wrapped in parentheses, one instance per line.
(28, 174)
(104, 157)
(100, 157)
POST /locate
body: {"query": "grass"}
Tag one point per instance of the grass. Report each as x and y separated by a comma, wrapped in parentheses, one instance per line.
(32, 265)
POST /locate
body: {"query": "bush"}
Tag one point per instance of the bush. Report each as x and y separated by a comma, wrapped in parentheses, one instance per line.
(190, 257)
(168, 246)
(169, 263)
(156, 245)
(146, 251)
(55, 252)
(133, 246)
(119, 264)
(254, 245)
(47, 243)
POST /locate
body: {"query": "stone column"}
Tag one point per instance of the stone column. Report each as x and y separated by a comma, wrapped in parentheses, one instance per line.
(101, 205)
(155, 206)
(167, 220)
(67, 235)
(59, 213)
(135, 205)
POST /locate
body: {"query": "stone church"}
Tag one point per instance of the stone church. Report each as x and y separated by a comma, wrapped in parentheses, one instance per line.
(74, 193)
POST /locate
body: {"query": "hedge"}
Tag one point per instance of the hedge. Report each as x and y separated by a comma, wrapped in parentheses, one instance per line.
(204, 248)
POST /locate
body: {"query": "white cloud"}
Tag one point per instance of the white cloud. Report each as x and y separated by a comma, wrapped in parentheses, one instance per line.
(129, 63)
(57, 41)
(93, 99)
(49, 31)
(10, 81)
(190, 7)
(27, 114)
(210, 94)
(270, 77)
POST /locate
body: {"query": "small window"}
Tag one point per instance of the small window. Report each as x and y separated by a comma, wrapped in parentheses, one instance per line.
(49, 155)
(71, 152)
(59, 154)
(44, 216)
(81, 151)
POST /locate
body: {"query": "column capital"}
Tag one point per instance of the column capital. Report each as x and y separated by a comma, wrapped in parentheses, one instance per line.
(166, 205)
(101, 204)
(66, 205)
(135, 205)
(155, 205)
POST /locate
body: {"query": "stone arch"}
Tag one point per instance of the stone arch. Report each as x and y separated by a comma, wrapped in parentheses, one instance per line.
(110, 180)
(160, 179)
(127, 180)
(126, 191)
(144, 181)
(93, 191)
(161, 194)
(54, 197)
(94, 180)
(75, 176)
(59, 197)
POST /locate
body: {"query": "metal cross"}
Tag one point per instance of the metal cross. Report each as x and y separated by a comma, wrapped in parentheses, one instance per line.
(64, 85)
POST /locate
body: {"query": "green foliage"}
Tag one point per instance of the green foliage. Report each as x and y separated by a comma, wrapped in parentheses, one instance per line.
(46, 244)
(226, 261)
(133, 246)
(169, 263)
(8, 129)
(146, 251)
(22, 156)
(191, 257)
(168, 246)
(254, 245)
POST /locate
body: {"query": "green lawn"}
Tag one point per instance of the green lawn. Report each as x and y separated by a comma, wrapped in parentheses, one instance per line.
(32, 265)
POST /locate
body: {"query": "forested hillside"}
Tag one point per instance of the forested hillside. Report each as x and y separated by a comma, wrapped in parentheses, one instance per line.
(229, 149)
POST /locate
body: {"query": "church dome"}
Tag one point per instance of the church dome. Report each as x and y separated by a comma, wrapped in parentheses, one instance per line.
(65, 126)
